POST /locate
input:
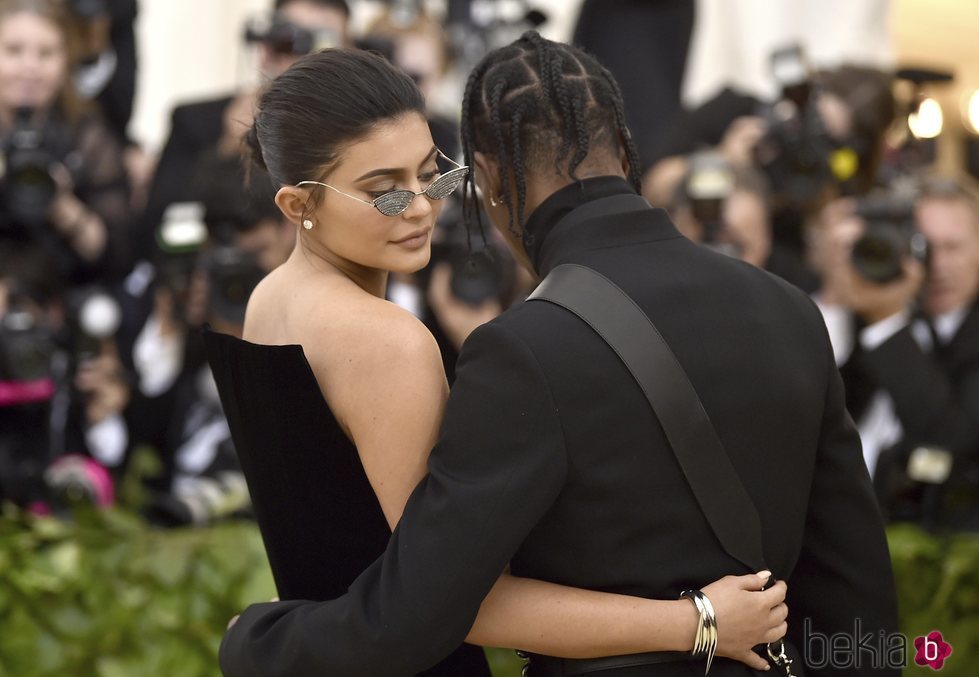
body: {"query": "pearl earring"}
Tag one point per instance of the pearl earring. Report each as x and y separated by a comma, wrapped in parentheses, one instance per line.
(493, 201)
(307, 224)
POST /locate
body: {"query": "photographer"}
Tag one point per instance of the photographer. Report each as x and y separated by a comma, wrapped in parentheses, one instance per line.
(725, 208)
(297, 27)
(912, 371)
(417, 44)
(176, 409)
(824, 138)
(62, 388)
(106, 71)
(853, 106)
(64, 188)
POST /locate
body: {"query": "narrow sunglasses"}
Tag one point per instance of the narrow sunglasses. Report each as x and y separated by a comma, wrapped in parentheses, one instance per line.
(394, 202)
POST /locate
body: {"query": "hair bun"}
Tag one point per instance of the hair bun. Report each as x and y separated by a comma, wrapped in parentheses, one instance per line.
(252, 147)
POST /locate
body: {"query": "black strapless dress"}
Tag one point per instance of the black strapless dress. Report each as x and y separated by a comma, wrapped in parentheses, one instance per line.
(319, 517)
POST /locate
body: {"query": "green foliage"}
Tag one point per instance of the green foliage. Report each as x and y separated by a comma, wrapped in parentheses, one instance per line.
(938, 588)
(105, 595)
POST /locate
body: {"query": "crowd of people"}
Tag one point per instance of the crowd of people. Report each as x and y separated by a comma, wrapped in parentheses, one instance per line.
(106, 273)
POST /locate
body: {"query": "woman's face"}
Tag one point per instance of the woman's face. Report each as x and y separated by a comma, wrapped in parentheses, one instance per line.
(396, 154)
(33, 61)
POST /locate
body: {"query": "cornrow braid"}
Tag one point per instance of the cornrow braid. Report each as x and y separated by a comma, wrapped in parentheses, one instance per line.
(495, 115)
(556, 77)
(470, 205)
(518, 166)
(535, 103)
(632, 151)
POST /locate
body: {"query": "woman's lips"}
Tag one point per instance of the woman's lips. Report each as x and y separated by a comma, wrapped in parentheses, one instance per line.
(415, 240)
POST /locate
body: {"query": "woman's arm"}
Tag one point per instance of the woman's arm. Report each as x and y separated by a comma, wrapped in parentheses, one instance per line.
(557, 620)
(389, 391)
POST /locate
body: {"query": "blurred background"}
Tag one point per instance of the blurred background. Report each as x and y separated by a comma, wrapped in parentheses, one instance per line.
(833, 143)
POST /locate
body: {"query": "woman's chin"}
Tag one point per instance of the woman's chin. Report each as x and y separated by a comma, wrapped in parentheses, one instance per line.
(411, 263)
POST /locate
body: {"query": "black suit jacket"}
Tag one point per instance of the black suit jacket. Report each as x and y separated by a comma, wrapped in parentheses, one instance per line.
(936, 399)
(551, 460)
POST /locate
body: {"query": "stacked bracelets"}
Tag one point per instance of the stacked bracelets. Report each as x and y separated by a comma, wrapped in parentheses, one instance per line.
(705, 641)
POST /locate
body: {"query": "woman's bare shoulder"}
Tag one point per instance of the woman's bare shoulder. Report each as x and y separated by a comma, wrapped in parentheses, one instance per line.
(266, 315)
(372, 332)
(333, 322)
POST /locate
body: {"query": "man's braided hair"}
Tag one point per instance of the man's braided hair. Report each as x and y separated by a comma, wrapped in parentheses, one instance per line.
(537, 104)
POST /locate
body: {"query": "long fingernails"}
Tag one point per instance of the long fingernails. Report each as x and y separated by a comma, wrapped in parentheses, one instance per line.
(764, 574)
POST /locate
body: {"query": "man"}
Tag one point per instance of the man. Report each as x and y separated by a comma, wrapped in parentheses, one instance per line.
(550, 460)
(199, 127)
(913, 382)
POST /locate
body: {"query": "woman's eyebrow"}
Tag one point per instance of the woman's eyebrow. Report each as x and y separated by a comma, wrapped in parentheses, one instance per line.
(387, 171)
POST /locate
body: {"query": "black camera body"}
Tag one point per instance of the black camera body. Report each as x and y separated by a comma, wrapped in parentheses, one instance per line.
(890, 237)
(284, 37)
(232, 275)
(479, 274)
(28, 348)
(26, 185)
(795, 153)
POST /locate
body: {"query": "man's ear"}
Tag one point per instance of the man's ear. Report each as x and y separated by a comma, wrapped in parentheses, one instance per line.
(292, 202)
(487, 176)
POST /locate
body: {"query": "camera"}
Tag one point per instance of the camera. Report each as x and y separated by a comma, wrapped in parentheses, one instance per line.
(28, 350)
(796, 152)
(889, 238)
(709, 182)
(284, 37)
(232, 275)
(26, 184)
(94, 316)
(478, 274)
(27, 345)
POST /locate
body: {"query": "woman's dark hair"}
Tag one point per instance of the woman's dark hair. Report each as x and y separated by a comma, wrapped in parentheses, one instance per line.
(539, 104)
(327, 100)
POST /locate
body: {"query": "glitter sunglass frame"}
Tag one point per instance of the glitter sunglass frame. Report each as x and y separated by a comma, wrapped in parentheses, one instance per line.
(395, 202)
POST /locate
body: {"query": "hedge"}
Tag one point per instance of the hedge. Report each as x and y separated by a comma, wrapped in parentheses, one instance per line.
(105, 595)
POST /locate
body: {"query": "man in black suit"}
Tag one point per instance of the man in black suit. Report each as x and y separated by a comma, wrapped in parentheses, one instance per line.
(197, 128)
(550, 460)
(912, 381)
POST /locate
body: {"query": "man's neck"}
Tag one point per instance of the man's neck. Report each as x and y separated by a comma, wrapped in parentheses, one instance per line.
(543, 186)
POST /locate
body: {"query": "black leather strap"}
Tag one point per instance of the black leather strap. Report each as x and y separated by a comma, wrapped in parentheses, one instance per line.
(626, 328)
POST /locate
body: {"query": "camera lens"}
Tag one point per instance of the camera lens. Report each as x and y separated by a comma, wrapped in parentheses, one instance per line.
(878, 253)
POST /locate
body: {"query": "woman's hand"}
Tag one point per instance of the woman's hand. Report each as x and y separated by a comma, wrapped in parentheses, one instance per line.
(747, 615)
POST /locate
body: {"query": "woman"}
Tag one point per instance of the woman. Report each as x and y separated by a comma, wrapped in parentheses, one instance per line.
(76, 211)
(337, 395)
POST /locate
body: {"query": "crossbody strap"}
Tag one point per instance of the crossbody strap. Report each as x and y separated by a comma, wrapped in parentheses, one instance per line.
(611, 313)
